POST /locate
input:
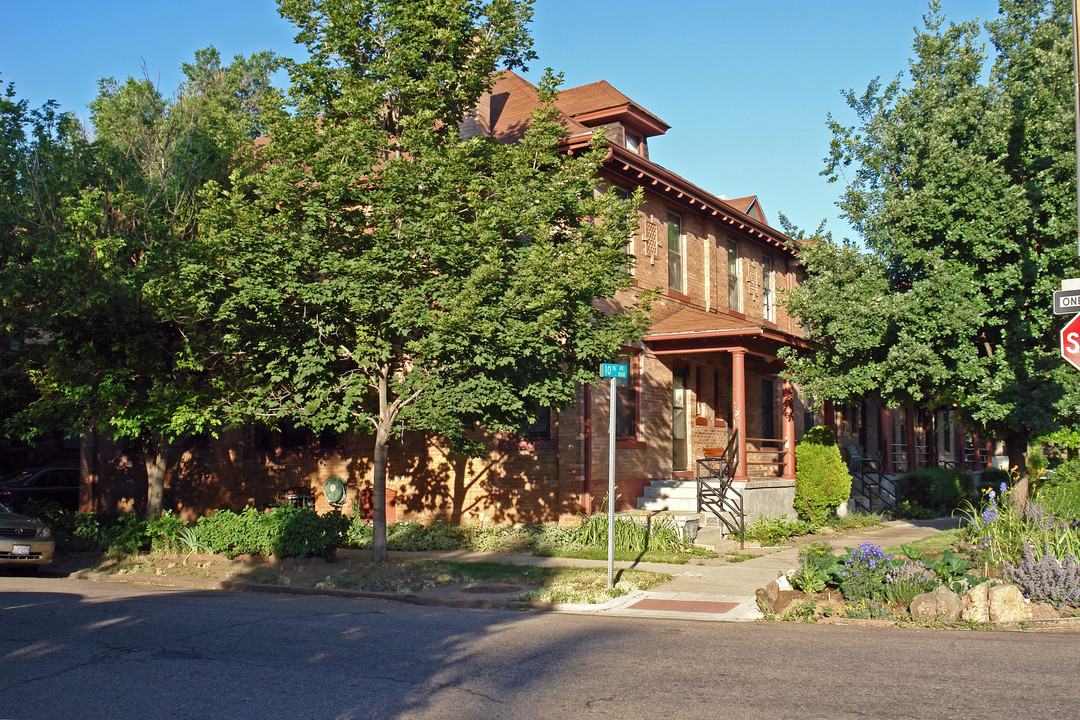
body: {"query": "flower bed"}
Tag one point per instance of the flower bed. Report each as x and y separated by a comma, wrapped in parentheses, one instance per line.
(1012, 561)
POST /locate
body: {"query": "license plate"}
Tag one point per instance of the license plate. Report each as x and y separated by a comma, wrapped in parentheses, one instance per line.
(20, 549)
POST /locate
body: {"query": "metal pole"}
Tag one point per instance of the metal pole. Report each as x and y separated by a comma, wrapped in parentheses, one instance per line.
(1076, 111)
(611, 489)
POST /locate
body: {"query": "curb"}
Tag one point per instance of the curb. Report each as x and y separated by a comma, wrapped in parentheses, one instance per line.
(409, 598)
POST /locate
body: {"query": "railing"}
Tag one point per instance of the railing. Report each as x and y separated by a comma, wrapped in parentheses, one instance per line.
(867, 481)
(715, 492)
(765, 458)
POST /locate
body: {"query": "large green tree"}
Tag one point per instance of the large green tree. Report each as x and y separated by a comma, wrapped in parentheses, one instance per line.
(374, 271)
(960, 180)
(93, 241)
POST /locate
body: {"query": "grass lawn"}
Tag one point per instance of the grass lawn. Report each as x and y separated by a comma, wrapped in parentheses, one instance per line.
(936, 543)
(648, 556)
(545, 584)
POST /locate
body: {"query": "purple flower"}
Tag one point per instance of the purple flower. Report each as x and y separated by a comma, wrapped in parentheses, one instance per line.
(1004, 488)
(992, 494)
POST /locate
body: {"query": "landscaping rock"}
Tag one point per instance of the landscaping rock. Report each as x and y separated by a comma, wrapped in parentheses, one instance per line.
(1008, 604)
(775, 597)
(1000, 603)
(942, 604)
(975, 605)
(1044, 611)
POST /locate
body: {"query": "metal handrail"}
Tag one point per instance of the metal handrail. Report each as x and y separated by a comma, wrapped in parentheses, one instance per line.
(715, 492)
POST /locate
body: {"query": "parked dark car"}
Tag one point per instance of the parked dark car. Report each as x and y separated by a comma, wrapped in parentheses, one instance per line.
(24, 542)
(57, 484)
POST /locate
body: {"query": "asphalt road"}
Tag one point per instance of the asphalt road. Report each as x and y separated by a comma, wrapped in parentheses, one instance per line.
(77, 649)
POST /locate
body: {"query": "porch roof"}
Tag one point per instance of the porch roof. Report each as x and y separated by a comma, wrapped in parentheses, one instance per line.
(690, 329)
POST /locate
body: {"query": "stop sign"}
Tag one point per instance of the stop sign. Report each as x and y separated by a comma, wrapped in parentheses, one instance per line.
(1070, 341)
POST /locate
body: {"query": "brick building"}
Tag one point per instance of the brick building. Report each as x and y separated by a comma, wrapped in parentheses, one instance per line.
(706, 367)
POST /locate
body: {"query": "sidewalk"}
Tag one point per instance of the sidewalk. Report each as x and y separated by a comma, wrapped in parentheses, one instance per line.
(727, 591)
(711, 589)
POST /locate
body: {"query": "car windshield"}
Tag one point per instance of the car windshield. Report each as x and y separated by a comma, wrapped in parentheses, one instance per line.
(16, 478)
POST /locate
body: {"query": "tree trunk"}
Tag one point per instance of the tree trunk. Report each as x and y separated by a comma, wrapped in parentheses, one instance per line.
(378, 495)
(1016, 445)
(155, 455)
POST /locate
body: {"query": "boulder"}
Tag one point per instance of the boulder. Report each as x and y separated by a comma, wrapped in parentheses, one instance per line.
(775, 597)
(942, 604)
(1000, 603)
(975, 605)
(1008, 604)
(1044, 611)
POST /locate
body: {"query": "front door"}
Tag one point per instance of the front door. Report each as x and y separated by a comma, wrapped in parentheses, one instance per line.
(678, 420)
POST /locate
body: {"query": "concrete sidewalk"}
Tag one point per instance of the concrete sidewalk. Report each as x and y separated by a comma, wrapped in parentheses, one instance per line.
(707, 589)
(727, 591)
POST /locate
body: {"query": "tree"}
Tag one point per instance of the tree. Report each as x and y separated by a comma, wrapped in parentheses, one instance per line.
(958, 182)
(373, 271)
(93, 250)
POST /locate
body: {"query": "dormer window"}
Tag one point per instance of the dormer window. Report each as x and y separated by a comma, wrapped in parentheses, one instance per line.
(633, 143)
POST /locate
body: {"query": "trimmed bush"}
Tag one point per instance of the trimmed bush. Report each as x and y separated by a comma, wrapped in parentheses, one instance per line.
(939, 490)
(284, 531)
(822, 480)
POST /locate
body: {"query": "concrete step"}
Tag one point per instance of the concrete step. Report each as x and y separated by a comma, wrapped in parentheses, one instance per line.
(670, 491)
(677, 505)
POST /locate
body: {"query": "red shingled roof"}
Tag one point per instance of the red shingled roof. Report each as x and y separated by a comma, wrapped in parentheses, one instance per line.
(513, 99)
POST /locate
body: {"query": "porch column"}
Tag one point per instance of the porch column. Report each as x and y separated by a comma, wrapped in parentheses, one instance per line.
(789, 428)
(738, 399)
(886, 441)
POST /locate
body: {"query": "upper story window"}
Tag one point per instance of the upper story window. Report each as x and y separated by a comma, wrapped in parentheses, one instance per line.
(768, 297)
(734, 278)
(622, 195)
(633, 142)
(675, 253)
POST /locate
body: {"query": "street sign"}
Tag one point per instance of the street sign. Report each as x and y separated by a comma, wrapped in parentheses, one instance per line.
(1066, 302)
(1070, 341)
(614, 370)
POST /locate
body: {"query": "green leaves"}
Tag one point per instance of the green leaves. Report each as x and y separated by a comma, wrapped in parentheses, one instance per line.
(959, 180)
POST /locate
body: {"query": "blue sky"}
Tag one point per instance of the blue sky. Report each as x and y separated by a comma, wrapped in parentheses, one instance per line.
(745, 85)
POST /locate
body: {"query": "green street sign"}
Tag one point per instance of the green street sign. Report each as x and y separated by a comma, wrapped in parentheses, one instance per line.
(614, 370)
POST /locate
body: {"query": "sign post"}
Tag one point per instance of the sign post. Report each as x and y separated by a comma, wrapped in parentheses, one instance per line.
(615, 371)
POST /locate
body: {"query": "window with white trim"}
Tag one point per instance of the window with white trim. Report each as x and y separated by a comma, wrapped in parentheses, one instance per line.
(675, 253)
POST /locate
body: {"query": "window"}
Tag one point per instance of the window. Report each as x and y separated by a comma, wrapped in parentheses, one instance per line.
(768, 298)
(541, 428)
(734, 279)
(633, 142)
(626, 402)
(622, 195)
(716, 398)
(768, 409)
(699, 395)
(675, 252)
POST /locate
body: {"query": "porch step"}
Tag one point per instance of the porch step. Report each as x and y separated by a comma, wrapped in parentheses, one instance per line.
(672, 495)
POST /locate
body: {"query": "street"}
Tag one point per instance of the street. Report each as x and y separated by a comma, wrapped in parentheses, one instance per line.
(93, 650)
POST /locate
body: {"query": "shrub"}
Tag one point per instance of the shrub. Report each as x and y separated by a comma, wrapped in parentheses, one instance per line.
(822, 480)
(863, 574)
(1048, 578)
(904, 582)
(769, 530)
(284, 531)
(1059, 494)
(940, 490)
(817, 567)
